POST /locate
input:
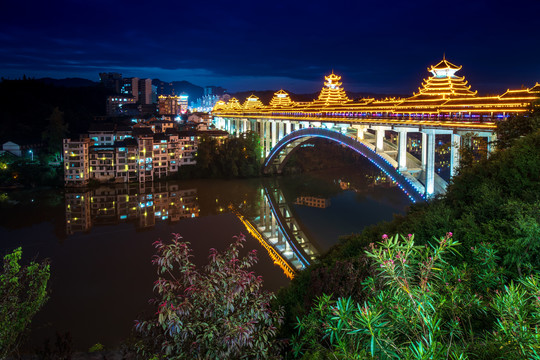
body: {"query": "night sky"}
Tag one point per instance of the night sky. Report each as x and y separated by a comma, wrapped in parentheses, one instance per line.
(377, 46)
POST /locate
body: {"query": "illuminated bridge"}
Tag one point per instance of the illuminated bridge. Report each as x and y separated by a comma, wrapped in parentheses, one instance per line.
(278, 231)
(444, 105)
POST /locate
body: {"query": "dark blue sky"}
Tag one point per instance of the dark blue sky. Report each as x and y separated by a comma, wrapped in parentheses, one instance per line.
(377, 46)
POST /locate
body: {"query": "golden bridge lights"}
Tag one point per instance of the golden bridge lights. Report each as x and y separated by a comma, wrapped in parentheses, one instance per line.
(252, 102)
(444, 83)
(442, 96)
(281, 99)
(444, 69)
(234, 104)
(332, 92)
(220, 105)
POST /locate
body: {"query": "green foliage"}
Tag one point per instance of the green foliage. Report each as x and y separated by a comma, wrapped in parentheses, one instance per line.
(221, 313)
(518, 319)
(54, 133)
(22, 171)
(96, 347)
(23, 291)
(235, 157)
(420, 306)
(508, 131)
(467, 156)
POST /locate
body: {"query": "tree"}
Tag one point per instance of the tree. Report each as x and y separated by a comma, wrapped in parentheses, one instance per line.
(54, 133)
(23, 291)
(221, 313)
(517, 126)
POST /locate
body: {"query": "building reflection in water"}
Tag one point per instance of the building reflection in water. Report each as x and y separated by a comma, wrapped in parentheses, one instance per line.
(141, 204)
(313, 201)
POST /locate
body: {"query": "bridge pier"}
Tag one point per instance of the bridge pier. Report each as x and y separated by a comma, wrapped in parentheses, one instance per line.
(274, 133)
(267, 138)
(287, 127)
(402, 150)
(380, 132)
(423, 161)
(455, 141)
(430, 161)
(360, 131)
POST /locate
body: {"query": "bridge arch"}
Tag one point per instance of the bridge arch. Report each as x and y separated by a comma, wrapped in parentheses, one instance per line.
(280, 153)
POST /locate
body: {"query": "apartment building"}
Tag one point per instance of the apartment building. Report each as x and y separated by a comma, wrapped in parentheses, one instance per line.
(141, 156)
(76, 164)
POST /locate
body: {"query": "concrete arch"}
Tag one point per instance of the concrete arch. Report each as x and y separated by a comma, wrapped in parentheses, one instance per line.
(280, 153)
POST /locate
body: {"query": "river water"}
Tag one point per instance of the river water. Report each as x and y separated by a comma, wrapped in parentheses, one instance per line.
(99, 241)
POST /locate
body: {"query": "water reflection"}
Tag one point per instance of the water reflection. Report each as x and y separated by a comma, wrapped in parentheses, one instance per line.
(270, 219)
(268, 209)
(141, 205)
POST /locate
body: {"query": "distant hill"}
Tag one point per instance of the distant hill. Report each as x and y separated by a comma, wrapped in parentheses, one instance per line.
(178, 87)
(68, 82)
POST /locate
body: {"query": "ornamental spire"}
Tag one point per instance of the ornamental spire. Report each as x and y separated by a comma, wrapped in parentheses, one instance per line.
(444, 83)
(332, 92)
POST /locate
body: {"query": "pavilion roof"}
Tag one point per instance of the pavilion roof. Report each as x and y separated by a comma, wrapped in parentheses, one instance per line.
(252, 102)
(444, 64)
(332, 92)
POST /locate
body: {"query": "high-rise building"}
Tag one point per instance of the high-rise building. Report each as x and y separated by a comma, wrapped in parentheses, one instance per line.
(144, 95)
(118, 105)
(112, 81)
(168, 105)
(130, 87)
(183, 102)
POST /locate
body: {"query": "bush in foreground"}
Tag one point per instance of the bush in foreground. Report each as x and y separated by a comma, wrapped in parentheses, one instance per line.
(423, 307)
(220, 313)
(23, 291)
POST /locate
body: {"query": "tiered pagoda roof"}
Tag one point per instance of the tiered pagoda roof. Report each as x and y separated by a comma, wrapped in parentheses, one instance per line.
(442, 94)
(281, 99)
(234, 104)
(332, 93)
(444, 83)
(252, 102)
(220, 105)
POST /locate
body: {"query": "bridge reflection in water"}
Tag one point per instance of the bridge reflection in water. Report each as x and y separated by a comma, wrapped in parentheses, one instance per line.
(271, 221)
(280, 233)
(268, 210)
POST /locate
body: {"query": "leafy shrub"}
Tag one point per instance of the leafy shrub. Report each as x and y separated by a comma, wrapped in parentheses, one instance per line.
(220, 313)
(421, 307)
(96, 347)
(23, 291)
(518, 319)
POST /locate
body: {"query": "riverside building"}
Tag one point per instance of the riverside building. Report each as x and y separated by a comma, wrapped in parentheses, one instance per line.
(115, 155)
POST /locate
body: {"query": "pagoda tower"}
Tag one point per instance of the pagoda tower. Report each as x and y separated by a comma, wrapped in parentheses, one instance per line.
(281, 99)
(234, 104)
(332, 93)
(252, 102)
(220, 105)
(444, 84)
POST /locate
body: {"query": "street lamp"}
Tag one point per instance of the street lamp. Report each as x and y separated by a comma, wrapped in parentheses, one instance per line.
(31, 154)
